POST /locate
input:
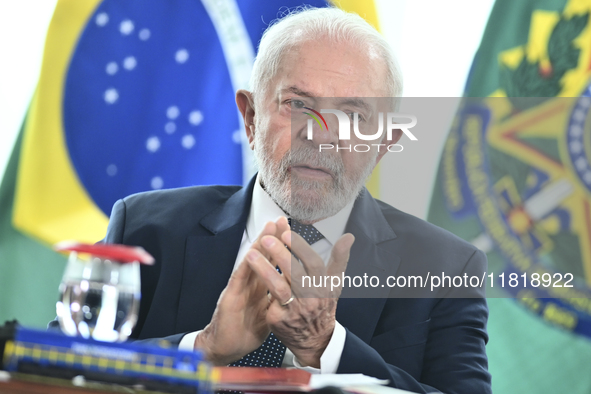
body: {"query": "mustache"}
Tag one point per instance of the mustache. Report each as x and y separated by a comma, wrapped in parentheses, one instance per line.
(309, 156)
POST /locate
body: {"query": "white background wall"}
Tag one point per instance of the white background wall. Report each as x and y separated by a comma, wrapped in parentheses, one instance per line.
(434, 40)
(23, 25)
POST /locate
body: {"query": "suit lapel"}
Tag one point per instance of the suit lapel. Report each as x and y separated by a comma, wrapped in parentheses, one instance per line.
(210, 258)
(372, 254)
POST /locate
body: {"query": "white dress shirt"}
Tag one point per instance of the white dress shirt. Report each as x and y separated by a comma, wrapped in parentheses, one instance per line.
(262, 210)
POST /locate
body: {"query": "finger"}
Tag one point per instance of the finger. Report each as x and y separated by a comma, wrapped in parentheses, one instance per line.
(297, 269)
(301, 282)
(270, 228)
(282, 226)
(244, 282)
(276, 283)
(313, 264)
(279, 255)
(339, 256)
(241, 274)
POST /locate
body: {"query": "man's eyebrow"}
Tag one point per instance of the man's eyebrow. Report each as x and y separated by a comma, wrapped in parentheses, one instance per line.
(352, 101)
(356, 102)
(297, 91)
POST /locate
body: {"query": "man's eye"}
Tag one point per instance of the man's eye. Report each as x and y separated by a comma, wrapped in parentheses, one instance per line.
(352, 116)
(297, 104)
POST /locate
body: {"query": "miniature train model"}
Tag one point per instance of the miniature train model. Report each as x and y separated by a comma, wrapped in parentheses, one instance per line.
(129, 363)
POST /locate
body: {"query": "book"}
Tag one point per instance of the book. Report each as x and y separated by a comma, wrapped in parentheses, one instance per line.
(255, 379)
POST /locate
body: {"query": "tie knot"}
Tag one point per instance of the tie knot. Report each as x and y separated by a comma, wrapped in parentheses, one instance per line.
(306, 231)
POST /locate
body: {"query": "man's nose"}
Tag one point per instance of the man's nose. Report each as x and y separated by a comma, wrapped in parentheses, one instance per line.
(322, 130)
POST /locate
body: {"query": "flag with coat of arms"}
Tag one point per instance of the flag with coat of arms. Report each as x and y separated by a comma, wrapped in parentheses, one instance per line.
(515, 180)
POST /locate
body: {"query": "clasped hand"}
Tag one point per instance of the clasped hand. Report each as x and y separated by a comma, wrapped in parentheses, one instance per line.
(253, 302)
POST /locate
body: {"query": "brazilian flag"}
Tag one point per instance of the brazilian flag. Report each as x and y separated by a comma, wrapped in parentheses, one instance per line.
(133, 96)
(515, 180)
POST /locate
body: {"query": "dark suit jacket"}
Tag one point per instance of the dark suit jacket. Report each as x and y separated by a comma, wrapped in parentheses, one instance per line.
(418, 344)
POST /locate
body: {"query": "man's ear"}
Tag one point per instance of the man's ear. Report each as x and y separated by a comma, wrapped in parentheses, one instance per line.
(396, 135)
(246, 107)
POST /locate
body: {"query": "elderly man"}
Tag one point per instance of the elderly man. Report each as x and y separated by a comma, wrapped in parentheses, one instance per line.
(215, 285)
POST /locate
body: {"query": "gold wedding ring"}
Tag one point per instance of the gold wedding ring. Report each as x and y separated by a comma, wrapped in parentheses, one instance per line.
(286, 303)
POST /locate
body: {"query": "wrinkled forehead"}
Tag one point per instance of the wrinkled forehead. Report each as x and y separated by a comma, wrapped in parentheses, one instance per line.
(329, 68)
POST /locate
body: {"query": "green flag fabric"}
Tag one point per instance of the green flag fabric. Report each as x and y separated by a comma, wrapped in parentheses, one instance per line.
(30, 272)
(515, 180)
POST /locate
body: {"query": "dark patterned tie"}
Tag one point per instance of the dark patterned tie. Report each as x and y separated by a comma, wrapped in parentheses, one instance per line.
(272, 351)
(306, 231)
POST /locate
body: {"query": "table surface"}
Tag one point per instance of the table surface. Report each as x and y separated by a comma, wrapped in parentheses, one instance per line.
(30, 384)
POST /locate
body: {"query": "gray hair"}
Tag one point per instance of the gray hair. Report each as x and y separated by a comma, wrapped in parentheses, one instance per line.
(300, 24)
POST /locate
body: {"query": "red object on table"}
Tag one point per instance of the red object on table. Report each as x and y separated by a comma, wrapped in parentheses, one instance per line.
(118, 253)
(261, 379)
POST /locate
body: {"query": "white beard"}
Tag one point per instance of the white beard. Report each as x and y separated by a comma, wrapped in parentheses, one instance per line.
(308, 201)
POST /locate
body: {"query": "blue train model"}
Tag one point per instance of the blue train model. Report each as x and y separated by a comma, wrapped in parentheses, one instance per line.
(129, 363)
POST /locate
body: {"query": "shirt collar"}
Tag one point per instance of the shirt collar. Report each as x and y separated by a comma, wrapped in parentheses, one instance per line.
(263, 209)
